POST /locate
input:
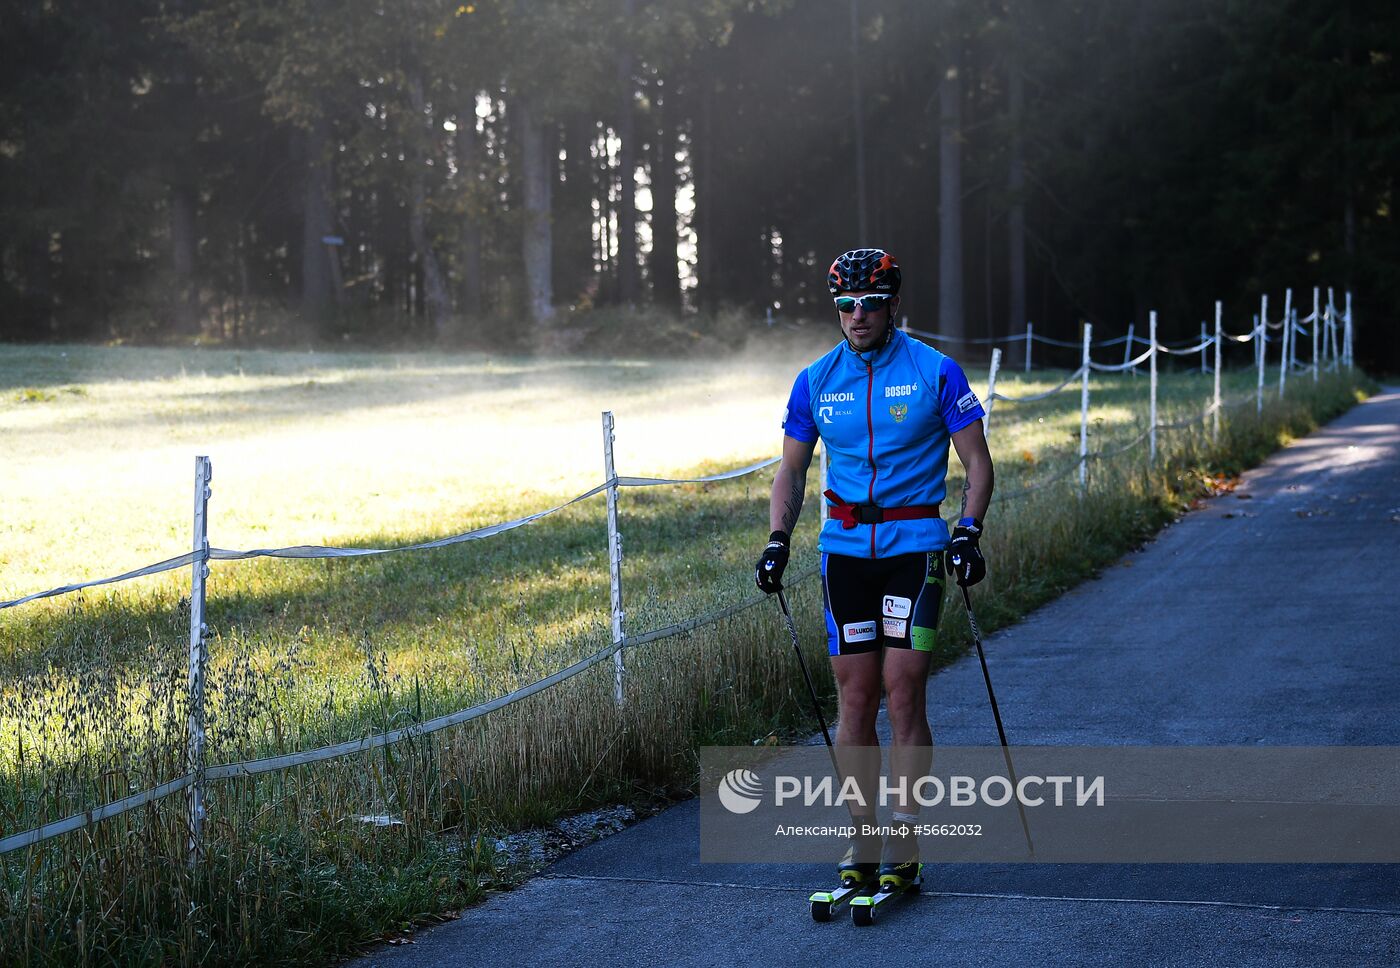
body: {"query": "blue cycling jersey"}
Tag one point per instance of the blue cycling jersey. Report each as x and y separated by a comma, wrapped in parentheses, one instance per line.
(885, 418)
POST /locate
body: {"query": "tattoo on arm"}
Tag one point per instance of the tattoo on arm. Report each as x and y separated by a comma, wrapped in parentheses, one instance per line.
(792, 505)
(962, 513)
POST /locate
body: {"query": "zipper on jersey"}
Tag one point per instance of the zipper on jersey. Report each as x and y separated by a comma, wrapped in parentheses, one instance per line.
(870, 431)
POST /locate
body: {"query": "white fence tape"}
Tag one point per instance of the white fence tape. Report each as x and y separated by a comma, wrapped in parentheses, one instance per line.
(1124, 448)
(970, 340)
(366, 744)
(169, 564)
(1000, 498)
(1048, 341)
(325, 551)
(998, 395)
(88, 817)
(1120, 367)
(725, 476)
(1179, 349)
(1187, 350)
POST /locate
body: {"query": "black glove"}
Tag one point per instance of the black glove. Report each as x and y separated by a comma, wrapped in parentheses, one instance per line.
(964, 558)
(768, 573)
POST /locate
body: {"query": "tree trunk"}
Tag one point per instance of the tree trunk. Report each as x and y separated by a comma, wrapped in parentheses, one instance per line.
(666, 284)
(469, 171)
(36, 317)
(607, 260)
(627, 162)
(1348, 172)
(435, 296)
(182, 256)
(707, 269)
(950, 235)
(573, 222)
(316, 224)
(183, 194)
(858, 123)
(535, 186)
(1016, 192)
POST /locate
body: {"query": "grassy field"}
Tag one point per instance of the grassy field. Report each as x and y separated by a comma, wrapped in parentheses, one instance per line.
(386, 450)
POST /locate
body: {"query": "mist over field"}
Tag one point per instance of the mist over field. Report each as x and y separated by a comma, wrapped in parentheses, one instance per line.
(318, 448)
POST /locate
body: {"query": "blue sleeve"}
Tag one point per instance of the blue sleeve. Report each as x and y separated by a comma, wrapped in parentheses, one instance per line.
(797, 418)
(956, 401)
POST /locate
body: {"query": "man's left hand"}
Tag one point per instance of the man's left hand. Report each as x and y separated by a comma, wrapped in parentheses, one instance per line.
(963, 556)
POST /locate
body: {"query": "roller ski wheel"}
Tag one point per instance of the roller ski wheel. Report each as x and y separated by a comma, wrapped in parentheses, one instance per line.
(892, 886)
(824, 904)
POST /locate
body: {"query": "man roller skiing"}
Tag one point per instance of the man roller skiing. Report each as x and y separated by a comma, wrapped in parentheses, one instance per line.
(886, 408)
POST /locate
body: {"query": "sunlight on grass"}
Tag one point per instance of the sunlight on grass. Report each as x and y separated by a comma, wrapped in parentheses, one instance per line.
(378, 451)
(323, 448)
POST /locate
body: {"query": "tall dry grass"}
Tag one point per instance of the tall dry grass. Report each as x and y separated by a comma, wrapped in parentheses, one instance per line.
(307, 653)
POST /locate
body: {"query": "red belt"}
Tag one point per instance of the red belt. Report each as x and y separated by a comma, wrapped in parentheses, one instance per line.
(851, 515)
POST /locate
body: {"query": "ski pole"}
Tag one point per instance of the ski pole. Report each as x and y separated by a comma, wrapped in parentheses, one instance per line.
(811, 690)
(996, 714)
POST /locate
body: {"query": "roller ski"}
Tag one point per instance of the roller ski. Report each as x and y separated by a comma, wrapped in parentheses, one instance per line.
(857, 872)
(900, 874)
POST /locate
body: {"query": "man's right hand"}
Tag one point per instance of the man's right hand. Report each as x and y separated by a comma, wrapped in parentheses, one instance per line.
(768, 574)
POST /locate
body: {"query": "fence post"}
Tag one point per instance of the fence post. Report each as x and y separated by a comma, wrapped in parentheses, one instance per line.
(1293, 342)
(1317, 321)
(1262, 331)
(1322, 336)
(1030, 338)
(991, 390)
(1128, 351)
(1215, 423)
(199, 571)
(1331, 329)
(904, 323)
(1290, 333)
(1084, 410)
(1326, 330)
(1346, 336)
(614, 554)
(1152, 369)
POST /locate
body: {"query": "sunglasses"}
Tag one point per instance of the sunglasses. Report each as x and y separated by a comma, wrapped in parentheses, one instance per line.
(871, 303)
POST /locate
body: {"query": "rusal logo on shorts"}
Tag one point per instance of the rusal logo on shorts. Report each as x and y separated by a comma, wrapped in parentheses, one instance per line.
(897, 607)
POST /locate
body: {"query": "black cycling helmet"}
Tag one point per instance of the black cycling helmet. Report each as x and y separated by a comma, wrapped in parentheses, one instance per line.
(864, 270)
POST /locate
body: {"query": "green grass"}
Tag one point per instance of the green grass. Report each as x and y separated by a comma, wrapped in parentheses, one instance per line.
(392, 449)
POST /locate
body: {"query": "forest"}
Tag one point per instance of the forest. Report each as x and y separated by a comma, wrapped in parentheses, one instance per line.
(482, 174)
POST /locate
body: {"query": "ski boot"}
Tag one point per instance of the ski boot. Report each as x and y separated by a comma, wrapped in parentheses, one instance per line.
(899, 861)
(861, 863)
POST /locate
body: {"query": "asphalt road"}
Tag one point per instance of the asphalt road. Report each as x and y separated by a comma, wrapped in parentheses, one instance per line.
(1269, 619)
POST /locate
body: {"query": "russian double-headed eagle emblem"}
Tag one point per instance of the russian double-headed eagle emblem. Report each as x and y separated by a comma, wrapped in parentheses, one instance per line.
(899, 411)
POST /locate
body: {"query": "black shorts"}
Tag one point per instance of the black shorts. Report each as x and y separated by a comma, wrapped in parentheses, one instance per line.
(874, 602)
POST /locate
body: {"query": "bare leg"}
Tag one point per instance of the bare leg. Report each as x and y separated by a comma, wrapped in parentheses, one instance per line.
(857, 746)
(906, 683)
